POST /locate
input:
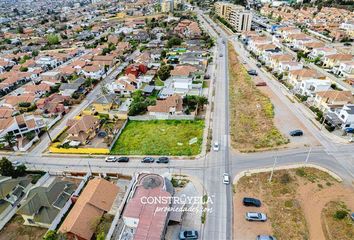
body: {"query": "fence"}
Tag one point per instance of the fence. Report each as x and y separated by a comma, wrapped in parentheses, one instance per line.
(64, 210)
(120, 210)
(118, 134)
(161, 117)
(54, 149)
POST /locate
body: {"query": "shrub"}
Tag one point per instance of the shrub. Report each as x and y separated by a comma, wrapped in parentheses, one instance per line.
(340, 214)
(300, 172)
(285, 178)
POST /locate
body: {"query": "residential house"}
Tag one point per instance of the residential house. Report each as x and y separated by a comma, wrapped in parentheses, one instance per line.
(332, 99)
(125, 85)
(345, 69)
(322, 52)
(310, 87)
(103, 105)
(334, 60)
(147, 222)
(285, 67)
(37, 90)
(45, 200)
(96, 199)
(346, 116)
(47, 62)
(83, 129)
(172, 105)
(12, 189)
(53, 105)
(276, 59)
(295, 77)
(67, 89)
(93, 70)
(180, 85)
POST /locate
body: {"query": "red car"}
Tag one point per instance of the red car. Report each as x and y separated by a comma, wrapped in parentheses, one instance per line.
(261, 84)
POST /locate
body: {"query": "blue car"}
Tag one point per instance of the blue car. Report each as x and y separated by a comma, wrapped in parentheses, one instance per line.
(296, 133)
(349, 130)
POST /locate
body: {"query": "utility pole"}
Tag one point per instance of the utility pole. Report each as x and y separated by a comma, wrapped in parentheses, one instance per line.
(271, 174)
(308, 155)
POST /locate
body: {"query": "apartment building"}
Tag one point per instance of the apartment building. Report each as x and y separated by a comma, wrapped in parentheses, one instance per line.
(236, 15)
(167, 6)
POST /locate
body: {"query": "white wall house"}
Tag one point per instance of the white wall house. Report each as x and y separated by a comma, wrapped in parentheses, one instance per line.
(310, 86)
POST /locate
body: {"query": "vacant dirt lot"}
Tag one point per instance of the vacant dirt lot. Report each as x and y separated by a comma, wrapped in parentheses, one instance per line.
(293, 201)
(251, 112)
(15, 230)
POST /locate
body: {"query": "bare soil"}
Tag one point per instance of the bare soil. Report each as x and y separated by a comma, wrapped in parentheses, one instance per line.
(293, 202)
(15, 230)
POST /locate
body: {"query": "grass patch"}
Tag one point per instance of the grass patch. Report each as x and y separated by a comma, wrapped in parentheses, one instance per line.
(160, 137)
(251, 112)
(336, 222)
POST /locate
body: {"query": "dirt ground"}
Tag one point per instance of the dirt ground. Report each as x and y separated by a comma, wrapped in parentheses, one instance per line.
(286, 121)
(14, 230)
(293, 205)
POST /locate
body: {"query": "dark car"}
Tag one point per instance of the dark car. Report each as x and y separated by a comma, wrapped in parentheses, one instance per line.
(251, 202)
(296, 133)
(261, 84)
(184, 235)
(123, 159)
(163, 160)
(252, 72)
(347, 44)
(349, 130)
(265, 237)
(148, 160)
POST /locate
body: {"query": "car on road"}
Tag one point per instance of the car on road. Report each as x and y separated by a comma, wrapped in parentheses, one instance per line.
(251, 202)
(296, 133)
(220, 55)
(265, 237)
(259, 65)
(252, 72)
(347, 44)
(111, 159)
(16, 163)
(352, 216)
(244, 62)
(226, 179)
(261, 84)
(216, 146)
(123, 159)
(192, 234)
(256, 216)
(163, 160)
(148, 160)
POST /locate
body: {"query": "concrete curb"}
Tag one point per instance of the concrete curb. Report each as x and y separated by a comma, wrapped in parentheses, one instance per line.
(293, 166)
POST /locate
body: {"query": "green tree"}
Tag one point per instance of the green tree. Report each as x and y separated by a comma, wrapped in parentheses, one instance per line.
(53, 39)
(23, 69)
(6, 168)
(139, 104)
(20, 171)
(10, 138)
(164, 72)
(174, 41)
(202, 100)
(100, 236)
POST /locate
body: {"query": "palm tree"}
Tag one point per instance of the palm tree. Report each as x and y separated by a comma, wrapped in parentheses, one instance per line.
(201, 101)
(10, 138)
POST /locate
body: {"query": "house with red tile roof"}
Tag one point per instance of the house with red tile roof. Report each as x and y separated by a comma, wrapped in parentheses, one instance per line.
(145, 217)
(96, 199)
(172, 105)
(83, 129)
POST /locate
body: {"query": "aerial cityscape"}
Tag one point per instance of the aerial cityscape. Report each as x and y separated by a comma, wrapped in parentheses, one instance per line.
(176, 120)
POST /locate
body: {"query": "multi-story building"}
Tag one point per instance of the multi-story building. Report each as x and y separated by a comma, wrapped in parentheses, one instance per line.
(167, 6)
(236, 15)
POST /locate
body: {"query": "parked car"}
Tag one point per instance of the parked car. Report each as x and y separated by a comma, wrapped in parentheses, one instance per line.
(352, 216)
(296, 133)
(256, 216)
(226, 179)
(265, 237)
(349, 130)
(347, 44)
(148, 160)
(216, 146)
(16, 163)
(123, 159)
(184, 235)
(259, 65)
(261, 84)
(163, 160)
(220, 55)
(111, 159)
(252, 72)
(251, 202)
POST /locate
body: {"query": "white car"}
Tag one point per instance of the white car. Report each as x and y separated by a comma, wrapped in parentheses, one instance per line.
(226, 179)
(111, 159)
(16, 163)
(216, 146)
(256, 216)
